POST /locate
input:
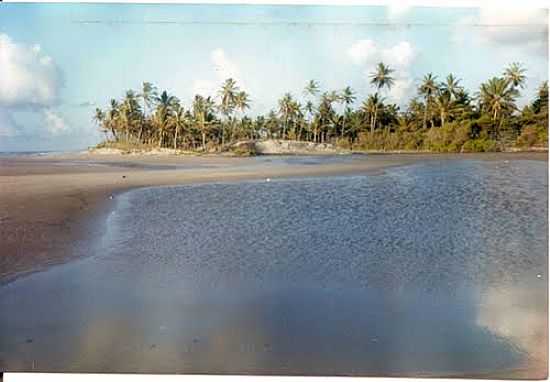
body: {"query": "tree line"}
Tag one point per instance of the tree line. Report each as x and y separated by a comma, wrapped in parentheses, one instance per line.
(443, 116)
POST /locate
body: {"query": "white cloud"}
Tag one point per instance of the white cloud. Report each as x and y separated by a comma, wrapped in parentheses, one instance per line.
(399, 57)
(402, 87)
(55, 124)
(363, 51)
(28, 77)
(29, 82)
(223, 68)
(525, 28)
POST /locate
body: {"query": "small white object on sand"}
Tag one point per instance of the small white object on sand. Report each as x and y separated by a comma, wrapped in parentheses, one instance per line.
(268, 180)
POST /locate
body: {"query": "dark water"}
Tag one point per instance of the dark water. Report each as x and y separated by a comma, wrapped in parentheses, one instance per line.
(431, 269)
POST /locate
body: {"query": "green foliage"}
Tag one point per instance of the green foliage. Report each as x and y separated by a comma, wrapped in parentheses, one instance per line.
(442, 117)
(532, 136)
(449, 138)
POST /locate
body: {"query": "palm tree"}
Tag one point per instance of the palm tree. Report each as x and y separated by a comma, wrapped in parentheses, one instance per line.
(202, 108)
(451, 85)
(99, 116)
(310, 92)
(272, 123)
(242, 101)
(286, 108)
(148, 95)
(99, 119)
(177, 120)
(515, 73)
(428, 89)
(227, 95)
(347, 97)
(540, 104)
(445, 105)
(382, 77)
(497, 96)
(326, 113)
(112, 117)
(371, 107)
(163, 113)
(296, 118)
(311, 89)
(310, 110)
(130, 112)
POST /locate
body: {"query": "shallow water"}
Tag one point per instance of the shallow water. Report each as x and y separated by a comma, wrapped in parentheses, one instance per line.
(438, 268)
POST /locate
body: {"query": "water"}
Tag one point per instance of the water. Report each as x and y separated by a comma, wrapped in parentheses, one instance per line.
(438, 268)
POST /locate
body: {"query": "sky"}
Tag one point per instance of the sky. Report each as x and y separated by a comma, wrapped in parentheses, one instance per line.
(58, 62)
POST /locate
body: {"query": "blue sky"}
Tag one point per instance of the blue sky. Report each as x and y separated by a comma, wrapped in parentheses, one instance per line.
(59, 61)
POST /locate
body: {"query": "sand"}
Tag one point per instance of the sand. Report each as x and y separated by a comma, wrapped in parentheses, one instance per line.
(49, 202)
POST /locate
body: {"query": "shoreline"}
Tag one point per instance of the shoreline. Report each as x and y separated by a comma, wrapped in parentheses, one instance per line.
(48, 203)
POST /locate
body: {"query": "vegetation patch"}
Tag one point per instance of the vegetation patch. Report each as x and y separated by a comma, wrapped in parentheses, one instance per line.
(442, 116)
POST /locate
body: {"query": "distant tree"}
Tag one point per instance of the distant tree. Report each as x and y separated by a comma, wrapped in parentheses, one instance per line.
(227, 95)
(515, 74)
(312, 88)
(347, 97)
(372, 106)
(382, 77)
(428, 88)
(177, 120)
(497, 97)
(163, 114)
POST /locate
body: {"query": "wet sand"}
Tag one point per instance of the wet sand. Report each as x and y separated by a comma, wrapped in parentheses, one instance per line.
(49, 202)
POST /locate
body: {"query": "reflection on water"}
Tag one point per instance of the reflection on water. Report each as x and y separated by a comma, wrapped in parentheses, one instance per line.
(432, 269)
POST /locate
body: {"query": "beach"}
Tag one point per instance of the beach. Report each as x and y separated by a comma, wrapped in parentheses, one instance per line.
(48, 201)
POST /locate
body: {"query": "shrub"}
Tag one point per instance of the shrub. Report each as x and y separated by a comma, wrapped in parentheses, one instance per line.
(528, 137)
(479, 145)
(449, 138)
(343, 143)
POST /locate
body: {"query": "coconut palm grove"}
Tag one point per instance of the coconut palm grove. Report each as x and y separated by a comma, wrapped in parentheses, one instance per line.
(442, 117)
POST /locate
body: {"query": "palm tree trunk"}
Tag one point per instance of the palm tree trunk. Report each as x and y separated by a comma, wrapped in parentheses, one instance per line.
(498, 128)
(343, 126)
(372, 124)
(425, 119)
(176, 138)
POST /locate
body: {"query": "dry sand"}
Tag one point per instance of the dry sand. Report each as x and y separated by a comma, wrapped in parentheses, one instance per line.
(46, 203)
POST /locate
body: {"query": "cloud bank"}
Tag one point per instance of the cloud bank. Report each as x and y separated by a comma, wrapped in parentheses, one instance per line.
(31, 81)
(28, 77)
(518, 28)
